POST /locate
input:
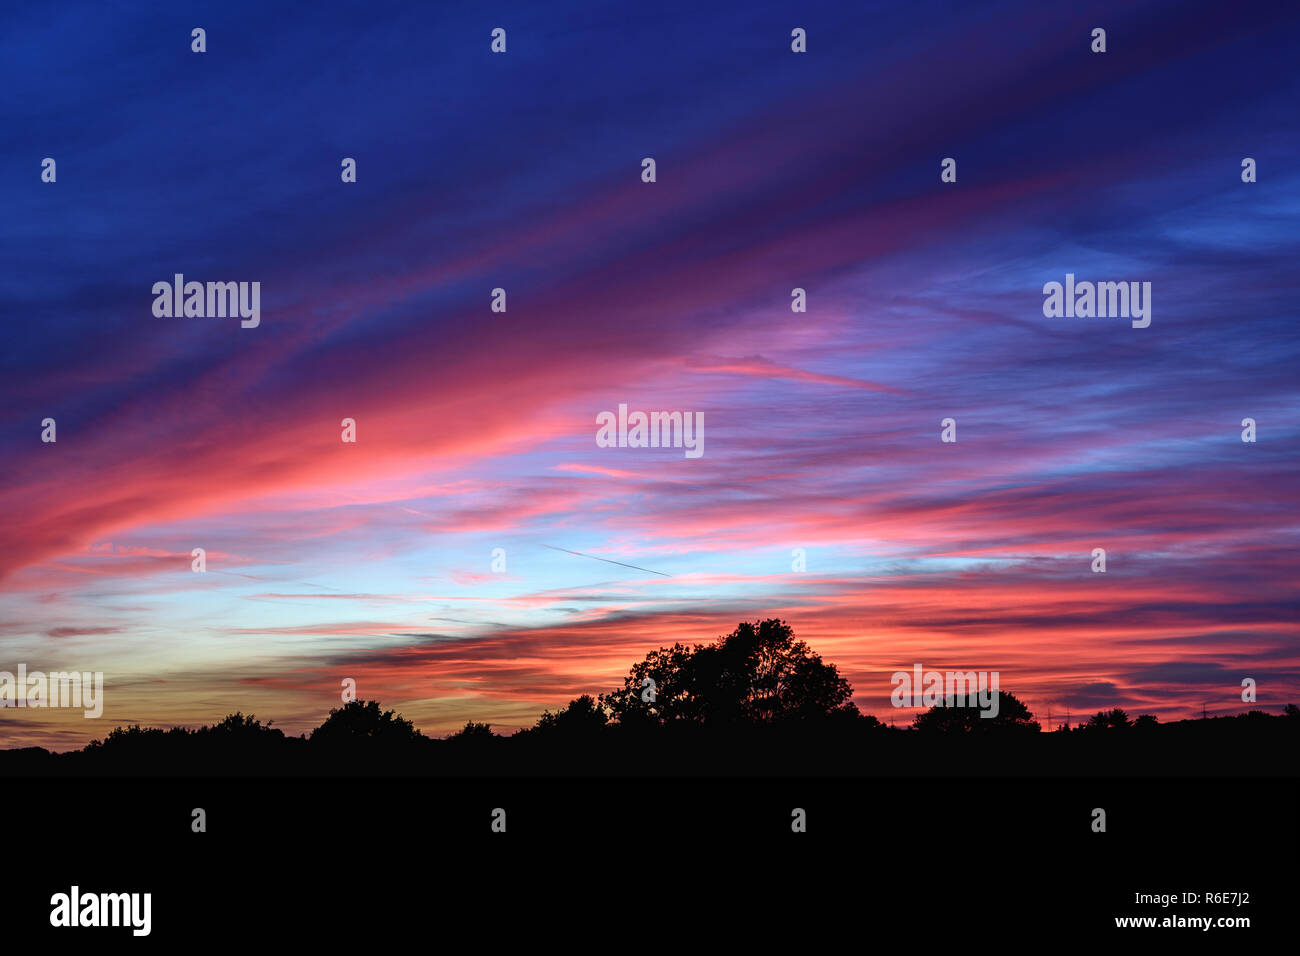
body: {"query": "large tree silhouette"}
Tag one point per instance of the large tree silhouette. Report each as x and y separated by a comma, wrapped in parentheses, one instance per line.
(1012, 715)
(361, 719)
(756, 674)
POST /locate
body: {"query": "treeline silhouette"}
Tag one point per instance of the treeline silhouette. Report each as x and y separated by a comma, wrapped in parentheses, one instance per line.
(757, 702)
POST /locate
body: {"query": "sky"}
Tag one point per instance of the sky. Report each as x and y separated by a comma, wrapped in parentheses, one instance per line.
(475, 430)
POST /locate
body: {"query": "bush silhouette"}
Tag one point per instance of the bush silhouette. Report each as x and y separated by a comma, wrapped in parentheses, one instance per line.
(238, 727)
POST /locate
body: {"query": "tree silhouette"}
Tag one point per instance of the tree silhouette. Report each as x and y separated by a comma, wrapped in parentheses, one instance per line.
(238, 727)
(757, 674)
(136, 737)
(1012, 715)
(473, 731)
(584, 715)
(361, 719)
(1109, 720)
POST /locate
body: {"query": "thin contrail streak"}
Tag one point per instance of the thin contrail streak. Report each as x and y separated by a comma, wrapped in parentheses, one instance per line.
(607, 561)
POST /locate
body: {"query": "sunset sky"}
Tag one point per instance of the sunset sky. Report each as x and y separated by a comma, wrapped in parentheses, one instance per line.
(476, 430)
